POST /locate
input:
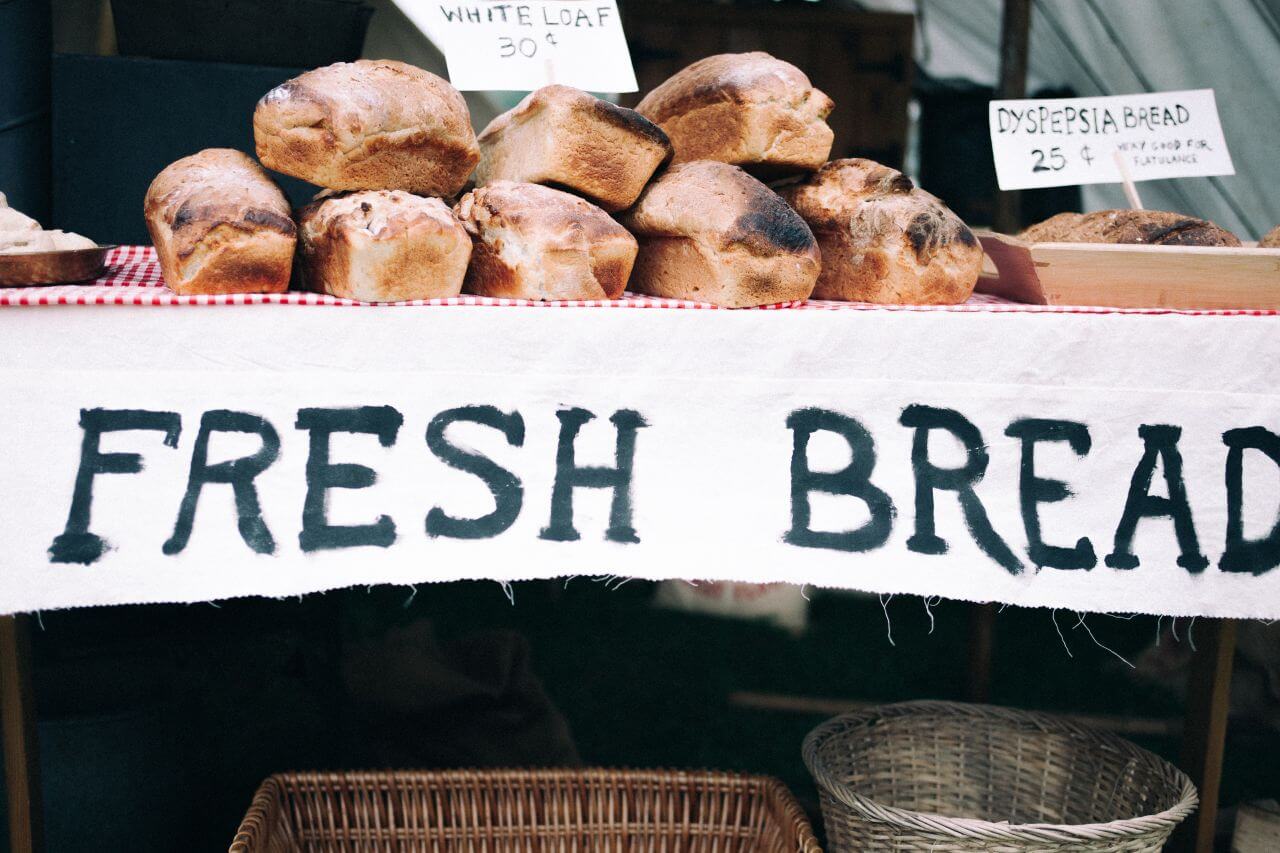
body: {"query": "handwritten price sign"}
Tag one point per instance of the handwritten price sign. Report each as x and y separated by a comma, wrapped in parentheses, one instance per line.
(495, 46)
(1066, 141)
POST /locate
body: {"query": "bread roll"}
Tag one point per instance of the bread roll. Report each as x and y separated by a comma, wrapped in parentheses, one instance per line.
(534, 242)
(748, 109)
(368, 125)
(883, 240)
(1152, 227)
(566, 137)
(383, 246)
(12, 220)
(1271, 240)
(220, 225)
(712, 233)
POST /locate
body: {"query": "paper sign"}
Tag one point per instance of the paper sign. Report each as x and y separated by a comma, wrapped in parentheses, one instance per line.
(519, 47)
(1092, 462)
(1060, 142)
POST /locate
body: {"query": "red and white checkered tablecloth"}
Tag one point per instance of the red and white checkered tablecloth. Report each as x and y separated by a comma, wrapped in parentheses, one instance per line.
(133, 278)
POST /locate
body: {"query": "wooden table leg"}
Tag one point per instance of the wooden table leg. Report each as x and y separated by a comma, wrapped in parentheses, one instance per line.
(21, 759)
(982, 629)
(1208, 701)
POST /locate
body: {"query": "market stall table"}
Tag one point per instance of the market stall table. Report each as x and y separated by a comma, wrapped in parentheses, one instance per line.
(1069, 457)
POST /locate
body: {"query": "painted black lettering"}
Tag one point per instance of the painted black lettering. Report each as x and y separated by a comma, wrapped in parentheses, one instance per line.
(507, 491)
(1256, 556)
(569, 477)
(930, 478)
(1161, 445)
(322, 475)
(239, 473)
(76, 544)
(1034, 490)
(853, 480)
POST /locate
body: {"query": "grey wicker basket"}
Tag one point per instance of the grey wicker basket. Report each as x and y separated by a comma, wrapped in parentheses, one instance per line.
(942, 777)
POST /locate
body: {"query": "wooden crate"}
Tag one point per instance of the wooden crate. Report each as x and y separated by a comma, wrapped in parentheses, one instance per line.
(863, 60)
(1129, 276)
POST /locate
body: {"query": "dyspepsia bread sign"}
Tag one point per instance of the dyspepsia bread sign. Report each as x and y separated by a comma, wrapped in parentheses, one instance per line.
(519, 47)
(1059, 142)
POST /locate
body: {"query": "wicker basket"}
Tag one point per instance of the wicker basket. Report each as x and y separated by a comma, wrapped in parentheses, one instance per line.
(517, 810)
(937, 776)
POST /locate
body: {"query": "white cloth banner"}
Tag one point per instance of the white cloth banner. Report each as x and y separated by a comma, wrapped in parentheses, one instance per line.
(1097, 462)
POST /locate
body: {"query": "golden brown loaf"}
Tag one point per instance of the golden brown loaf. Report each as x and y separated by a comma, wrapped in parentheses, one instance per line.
(1152, 227)
(563, 136)
(712, 233)
(220, 225)
(883, 240)
(534, 242)
(748, 109)
(383, 246)
(368, 125)
(1271, 240)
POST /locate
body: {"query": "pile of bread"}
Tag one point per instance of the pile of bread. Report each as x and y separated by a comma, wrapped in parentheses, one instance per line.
(22, 235)
(570, 197)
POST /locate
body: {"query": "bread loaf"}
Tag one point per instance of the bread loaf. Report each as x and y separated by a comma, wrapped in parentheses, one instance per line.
(748, 109)
(883, 240)
(1271, 240)
(712, 233)
(534, 242)
(383, 246)
(1152, 227)
(565, 137)
(220, 225)
(368, 125)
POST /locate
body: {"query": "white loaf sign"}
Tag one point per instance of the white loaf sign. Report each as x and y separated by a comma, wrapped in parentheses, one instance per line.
(1059, 142)
(519, 47)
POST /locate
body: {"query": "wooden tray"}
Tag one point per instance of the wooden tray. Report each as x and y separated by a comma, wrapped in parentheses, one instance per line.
(1180, 277)
(65, 266)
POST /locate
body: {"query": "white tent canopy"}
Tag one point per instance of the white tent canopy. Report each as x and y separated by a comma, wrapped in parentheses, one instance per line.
(1118, 47)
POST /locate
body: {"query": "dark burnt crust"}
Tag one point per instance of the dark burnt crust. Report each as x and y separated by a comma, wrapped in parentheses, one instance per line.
(1186, 232)
(193, 213)
(769, 227)
(631, 122)
(931, 231)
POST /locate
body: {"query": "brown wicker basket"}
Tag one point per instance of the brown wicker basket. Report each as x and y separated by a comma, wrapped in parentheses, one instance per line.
(524, 810)
(942, 777)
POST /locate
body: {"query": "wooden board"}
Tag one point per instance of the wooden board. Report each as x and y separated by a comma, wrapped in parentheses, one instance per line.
(1180, 277)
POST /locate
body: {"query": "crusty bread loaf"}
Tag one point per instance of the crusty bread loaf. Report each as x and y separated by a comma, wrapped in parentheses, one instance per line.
(383, 246)
(220, 225)
(368, 125)
(567, 138)
(1152, 227)
(748, 109)
(1271, 240)
(712, 233)
(882, 239)
(534, 242)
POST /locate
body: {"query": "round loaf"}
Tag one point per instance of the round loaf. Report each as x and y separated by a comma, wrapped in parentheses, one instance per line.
(748, 109)
(534, 242)
(1271, 240)
(710, 232)
(368, 125)
(220, 225)
(568, 138)
(383, 246)
(1150, 227)
(883, 240)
